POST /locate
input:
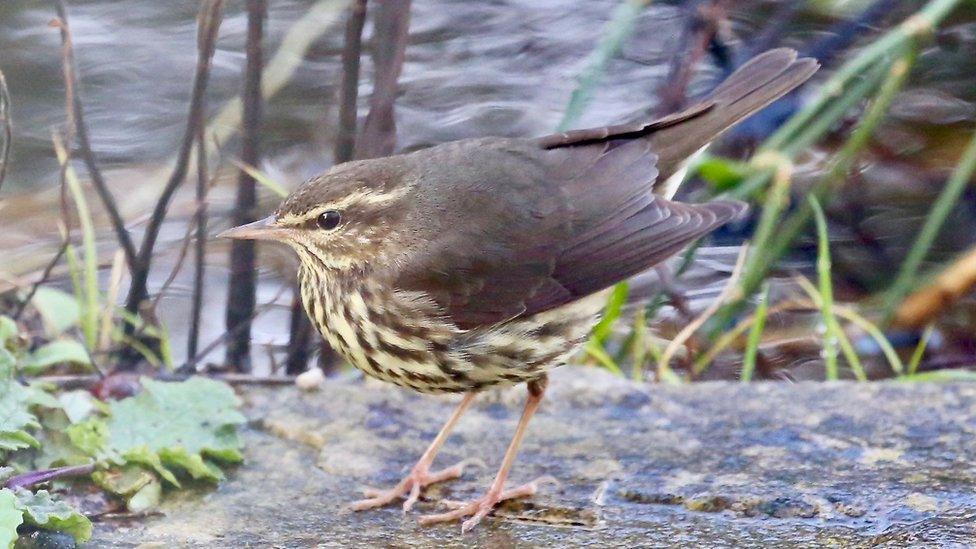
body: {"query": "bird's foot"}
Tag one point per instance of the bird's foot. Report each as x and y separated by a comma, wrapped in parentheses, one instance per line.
(420, 477)
(479, 508)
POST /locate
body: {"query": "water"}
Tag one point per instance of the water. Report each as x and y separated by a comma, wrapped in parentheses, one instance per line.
(502, 68)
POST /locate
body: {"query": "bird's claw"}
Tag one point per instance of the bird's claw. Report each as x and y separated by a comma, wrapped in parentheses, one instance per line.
(411, 485)
(481, 507)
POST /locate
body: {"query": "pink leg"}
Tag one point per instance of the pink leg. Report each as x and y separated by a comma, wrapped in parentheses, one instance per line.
(480, 507)
(420, 476)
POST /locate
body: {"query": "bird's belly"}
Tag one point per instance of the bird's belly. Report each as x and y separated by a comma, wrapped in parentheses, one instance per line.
(397, 344)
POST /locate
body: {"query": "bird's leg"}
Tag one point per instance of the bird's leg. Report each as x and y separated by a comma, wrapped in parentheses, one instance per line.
(420, 476)
(480, 507)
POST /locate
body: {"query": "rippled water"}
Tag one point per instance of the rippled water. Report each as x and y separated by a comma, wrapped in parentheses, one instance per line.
(472, 68)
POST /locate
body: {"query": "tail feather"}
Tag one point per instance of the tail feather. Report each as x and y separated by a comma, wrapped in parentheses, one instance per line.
(675, 137)
(756, 84)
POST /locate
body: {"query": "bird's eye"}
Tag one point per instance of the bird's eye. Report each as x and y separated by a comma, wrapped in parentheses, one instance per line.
(329, 219)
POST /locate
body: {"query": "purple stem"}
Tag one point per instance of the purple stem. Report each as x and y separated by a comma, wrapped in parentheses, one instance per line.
(31, 478)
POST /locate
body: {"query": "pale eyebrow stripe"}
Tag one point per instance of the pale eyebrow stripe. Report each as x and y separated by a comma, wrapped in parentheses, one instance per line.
(361, 197)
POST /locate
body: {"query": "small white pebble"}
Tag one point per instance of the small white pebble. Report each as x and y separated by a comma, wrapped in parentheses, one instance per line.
(310, 380)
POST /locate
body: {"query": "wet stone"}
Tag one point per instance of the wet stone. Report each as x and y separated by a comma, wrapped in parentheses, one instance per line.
(702, 465)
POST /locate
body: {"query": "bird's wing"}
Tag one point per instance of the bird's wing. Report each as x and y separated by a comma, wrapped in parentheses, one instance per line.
(550, 227)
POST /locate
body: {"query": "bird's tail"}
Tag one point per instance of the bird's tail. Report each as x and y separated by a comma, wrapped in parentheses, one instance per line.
(760, 81)
(675, 137)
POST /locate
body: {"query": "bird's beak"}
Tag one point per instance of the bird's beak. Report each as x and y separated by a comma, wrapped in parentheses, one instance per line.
(262, 229)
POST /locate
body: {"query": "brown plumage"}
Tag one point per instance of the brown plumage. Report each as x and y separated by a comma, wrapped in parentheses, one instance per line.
(483, 262)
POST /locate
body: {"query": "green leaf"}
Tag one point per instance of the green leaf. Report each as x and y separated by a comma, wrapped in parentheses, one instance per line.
(37, 395)
(140, 487)
(16, 417)
(10, 518)
(43, 510)
(8, 362)
(123, 481)
(56, 447)
(91, 437)
(8, 330)
(62, 351)
(168, 427)
(59, 310)
(77, 405)
(722, 173)
(146, 498)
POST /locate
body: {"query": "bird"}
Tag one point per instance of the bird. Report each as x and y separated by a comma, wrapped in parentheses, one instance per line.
(486, 262)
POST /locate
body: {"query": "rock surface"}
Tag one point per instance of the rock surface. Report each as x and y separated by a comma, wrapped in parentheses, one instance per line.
(706, 465)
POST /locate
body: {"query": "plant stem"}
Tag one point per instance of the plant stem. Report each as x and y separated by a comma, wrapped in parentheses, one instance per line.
(349, 85)
(391, 23)
(755, 336)
(89, 286)
(826, 292)
(770, 245)
(138, 290)
(941, 208)
(619, 28)
(243, 274)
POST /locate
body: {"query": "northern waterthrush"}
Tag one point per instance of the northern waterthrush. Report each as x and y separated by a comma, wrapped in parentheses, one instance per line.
(486, 261)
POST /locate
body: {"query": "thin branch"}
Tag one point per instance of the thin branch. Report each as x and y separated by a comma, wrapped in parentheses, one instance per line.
(87, 382)
(243, 274)
(391, 23)
(65, 230)
(210, 22)
(200, 250)
(45, 275)
(193, 228)
(190, 364)
(349, 87)
(923, 305)
(76, 124)
(5, 123)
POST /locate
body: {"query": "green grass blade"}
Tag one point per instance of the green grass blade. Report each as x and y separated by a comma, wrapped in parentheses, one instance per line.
(755, 336)
(826, 292)
(89, 284)
(919, 352)
(941, 208)
(611, 313)
(775, 244)
(596, 350)
(941, 376)
(620, 27)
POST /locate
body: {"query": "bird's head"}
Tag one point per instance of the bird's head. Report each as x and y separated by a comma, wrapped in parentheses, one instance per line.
(346, 218)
